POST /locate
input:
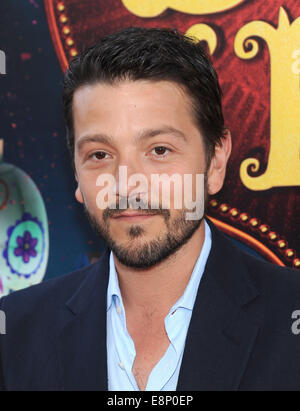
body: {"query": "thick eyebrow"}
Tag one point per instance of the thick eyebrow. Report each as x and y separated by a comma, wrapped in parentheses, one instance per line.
(95, 138)
(163, 130)
(145, 134)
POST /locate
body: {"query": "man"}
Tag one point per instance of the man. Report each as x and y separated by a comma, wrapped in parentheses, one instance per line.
(172, 303)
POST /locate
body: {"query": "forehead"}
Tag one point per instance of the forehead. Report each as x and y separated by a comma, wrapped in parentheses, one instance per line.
(129, 105)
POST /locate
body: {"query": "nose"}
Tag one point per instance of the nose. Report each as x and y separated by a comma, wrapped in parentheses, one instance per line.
(131, 180)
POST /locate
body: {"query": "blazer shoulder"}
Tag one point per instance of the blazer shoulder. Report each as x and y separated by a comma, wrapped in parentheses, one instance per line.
(49, 293)
(278, 286)
(273, 275)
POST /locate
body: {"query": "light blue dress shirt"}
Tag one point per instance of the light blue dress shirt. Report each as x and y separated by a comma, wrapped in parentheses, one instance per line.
(120, 346)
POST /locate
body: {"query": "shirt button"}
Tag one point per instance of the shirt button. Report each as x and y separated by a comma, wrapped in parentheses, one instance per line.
(119, 309)
(121, 365)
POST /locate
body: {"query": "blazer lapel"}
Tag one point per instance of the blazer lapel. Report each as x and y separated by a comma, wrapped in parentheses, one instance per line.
(82, 343)
(222, 331)
(224, 323)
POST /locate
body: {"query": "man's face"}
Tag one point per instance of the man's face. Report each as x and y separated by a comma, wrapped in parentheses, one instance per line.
(149, 128)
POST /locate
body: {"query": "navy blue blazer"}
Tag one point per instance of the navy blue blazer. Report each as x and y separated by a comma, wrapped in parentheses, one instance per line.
(239, 338)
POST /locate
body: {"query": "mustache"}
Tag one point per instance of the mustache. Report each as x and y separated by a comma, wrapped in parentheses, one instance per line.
(132, 204)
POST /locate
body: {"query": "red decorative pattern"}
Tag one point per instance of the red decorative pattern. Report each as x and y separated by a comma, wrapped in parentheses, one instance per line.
(75, 25)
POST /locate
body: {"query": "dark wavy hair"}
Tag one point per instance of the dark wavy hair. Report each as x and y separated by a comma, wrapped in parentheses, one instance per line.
(151, 54)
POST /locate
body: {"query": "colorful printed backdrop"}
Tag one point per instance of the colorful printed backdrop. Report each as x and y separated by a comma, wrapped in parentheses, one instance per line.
(255, 46)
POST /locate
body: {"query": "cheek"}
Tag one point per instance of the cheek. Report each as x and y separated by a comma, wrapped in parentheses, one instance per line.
(196, 158)
(192, 163)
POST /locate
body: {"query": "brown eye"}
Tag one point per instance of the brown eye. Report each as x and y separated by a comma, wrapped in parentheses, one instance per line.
(99, 155)
(160, 150)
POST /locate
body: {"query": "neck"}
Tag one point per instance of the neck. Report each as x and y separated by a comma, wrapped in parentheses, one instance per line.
(156, 289)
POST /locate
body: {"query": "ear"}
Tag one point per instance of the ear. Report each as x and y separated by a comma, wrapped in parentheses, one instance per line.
(217, 168)
(78, 195)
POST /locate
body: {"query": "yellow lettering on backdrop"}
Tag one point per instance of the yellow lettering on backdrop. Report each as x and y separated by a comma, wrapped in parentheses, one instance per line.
(153, 8)
(283, 167)
(296, 64)
(200, 32)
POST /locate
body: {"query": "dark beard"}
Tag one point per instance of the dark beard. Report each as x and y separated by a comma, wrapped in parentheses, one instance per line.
(180, 230)
(147, 255)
